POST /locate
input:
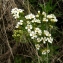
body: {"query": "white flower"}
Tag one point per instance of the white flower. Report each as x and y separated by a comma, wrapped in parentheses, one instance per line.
(44, 14)
(44, 52)
(45, 19)
(50, 39)
(28, 27)
(38, 30)
(33, 35)
(50, 16)
(38, 12)
(17, 26)
(44, 40)
(15, 12)
(47, 33)
(39, 39)
(20, 10)
(37, 46)
(36, 20)
(21, 22)
(53, 16)
(30, 16)
(16, 15)
(54, 20)
(48, 50)
(33, 20)
(18, 23)
(37, 15)
(28, 22)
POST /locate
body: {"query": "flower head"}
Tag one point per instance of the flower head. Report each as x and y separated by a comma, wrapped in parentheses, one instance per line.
(36, 21)
(50, 16)
(28, 27)
(47, 33)
(38, 12)
(33, 35)
(45, 19)
(44, 14)
(37, 15)
(38, 30)
(54, 20)
(50, 39)
(44, 52)
(16, 11)
(21, 22)
(30, 16)
(17, 26)
(37, 46)
(44, 40)
(39, 39)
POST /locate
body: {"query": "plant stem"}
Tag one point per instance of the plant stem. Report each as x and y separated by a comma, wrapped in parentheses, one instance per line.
(47, 54)
(28, 6)
(44, 6)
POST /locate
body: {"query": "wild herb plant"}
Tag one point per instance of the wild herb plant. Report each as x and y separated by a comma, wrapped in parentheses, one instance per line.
(37, 28)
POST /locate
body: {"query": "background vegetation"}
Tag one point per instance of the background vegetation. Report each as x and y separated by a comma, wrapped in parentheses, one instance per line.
(12, 52)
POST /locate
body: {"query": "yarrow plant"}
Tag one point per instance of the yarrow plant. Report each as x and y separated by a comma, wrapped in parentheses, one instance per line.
(37, 27)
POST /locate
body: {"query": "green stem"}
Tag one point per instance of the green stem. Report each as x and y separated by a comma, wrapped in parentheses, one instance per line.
(47, 54)
(44, 6)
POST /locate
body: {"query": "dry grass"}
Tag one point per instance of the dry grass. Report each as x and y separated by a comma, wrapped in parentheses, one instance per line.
(8, 47)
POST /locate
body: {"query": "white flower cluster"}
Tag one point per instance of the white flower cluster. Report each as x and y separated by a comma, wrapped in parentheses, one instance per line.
(38, 31)
(37, 46)
(36, 20)
(47, 39)
(16, 11)
(50, 17)
(46, 51)
(36, 27)
(33, 35)
(47, 33)
(44, 14)
(39, 39)
(28, 27)
(19, 23)
(30, 16)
